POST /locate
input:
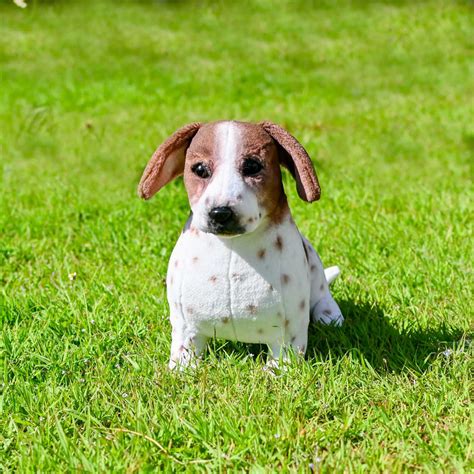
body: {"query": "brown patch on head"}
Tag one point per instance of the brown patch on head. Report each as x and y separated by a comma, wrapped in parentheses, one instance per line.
(252, 309)
(261, 254)
(252, 141)
(285, 278)
(202, 149)
(213, 278)
(278, 243)
(257, 144)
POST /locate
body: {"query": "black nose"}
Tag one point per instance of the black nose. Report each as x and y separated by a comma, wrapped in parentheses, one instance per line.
(221, 214)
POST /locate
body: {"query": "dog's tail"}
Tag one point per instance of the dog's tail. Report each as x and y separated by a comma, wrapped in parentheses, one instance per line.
(331, 273)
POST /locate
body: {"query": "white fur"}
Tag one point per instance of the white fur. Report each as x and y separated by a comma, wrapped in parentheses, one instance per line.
(220, 287)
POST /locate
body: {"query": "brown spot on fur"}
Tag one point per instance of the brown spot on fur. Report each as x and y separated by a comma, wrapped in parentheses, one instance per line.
(285, 278)
(261, 253)
(302, 304)
(213, 278)
(251, 308)
(279, 243)
(327, 312)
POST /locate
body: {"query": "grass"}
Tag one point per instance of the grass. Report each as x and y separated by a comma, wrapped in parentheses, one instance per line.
(380, 93)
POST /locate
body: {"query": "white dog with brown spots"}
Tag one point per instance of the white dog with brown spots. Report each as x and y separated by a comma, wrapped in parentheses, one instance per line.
(240, 270)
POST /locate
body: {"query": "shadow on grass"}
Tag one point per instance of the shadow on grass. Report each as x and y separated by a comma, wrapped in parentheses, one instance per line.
(368, 334)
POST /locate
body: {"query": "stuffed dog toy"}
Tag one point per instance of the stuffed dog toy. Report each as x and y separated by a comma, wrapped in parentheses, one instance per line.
(240, 270)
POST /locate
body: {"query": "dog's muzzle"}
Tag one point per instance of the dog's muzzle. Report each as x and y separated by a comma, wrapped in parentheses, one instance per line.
(223, 220)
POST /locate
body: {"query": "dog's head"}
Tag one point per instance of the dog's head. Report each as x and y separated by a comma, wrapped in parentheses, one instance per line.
(231, 173)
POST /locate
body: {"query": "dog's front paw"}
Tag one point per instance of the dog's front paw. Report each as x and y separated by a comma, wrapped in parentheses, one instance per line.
(184, 358)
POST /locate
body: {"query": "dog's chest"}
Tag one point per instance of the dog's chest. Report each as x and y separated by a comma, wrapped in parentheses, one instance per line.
(249, 288)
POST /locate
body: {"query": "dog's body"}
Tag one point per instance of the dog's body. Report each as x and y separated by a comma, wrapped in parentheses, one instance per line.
(240, 270)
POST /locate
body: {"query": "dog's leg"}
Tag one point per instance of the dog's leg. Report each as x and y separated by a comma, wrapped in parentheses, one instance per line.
(296, 344)
(323, 307)
(327, 311)
(186, 345)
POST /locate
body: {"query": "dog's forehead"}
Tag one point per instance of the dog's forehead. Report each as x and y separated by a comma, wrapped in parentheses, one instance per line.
(249, 138)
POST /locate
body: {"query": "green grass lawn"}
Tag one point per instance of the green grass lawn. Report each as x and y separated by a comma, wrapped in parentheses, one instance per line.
(380, 94)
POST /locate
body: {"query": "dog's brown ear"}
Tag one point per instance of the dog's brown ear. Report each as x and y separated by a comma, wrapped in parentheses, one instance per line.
(167, 162)
(294, 157)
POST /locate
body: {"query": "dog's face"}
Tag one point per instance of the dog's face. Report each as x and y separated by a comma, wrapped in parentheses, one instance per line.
(232, 176)
(231, 173)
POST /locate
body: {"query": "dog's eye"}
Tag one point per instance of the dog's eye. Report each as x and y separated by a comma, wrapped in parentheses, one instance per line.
(251, 167)
(201, 170)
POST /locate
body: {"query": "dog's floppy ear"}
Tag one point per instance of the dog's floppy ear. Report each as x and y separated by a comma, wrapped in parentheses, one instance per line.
(167, 162)
(294, 157)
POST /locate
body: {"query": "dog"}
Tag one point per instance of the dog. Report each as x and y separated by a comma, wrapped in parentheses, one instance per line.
(240, 270)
